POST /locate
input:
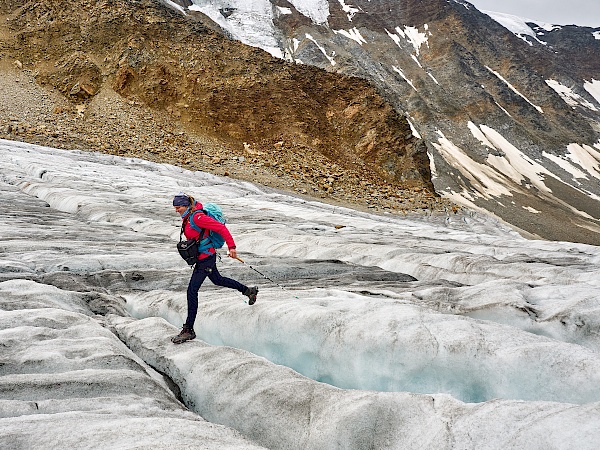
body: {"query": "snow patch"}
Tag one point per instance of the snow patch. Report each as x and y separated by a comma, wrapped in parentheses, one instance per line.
(547, 26)
(330, 58)
(284, 11)
(416, 38)
(415, 133)
(412, 35)
(415, 59)
(502, 108)
(515, 24)
(394, 38)
(570, 97)
(465, 4)
(315, 10)
(295, 44)
(399, 71)
(593, 87)
(432, 168)
(175, 6)
(483, 178)
(565, 165)
(349, 10)
(433, 78)
(515, 164)
(475, 131)
(250, 23)
(353, 34)
(519, 25)
(514, 89)
(586, 157)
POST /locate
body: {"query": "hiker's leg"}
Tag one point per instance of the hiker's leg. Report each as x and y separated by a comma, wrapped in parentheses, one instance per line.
(230, 283)
(198, 277)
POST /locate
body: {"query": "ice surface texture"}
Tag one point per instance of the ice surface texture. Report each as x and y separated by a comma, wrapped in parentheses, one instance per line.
(417, 332)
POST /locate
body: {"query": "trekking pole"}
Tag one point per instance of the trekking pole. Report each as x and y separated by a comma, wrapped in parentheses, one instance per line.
(264, 276)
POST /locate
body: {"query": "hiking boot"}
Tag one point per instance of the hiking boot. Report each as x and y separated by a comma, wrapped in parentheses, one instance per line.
(251, 293)
(187, 334)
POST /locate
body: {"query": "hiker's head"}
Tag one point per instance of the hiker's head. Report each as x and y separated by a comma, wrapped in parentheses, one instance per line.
(183, 203)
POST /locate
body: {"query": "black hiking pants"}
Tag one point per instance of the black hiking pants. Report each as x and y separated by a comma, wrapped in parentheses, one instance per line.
(206, 268)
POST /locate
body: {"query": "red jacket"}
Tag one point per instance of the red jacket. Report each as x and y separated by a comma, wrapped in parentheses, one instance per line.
(206, 224)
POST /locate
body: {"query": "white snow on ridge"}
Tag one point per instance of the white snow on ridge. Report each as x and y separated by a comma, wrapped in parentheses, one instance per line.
(353, 34)
(483, 178)
(518, 25)
(570, 97)
(412, 35)
(514, 89)
(249, 22)
(401, 73)
(565, 165)
(331, 57)
(596, 34)
(593, 87)
(315, 10)
(586, 157)
(349, 10)
(252, 22)
(515, 25)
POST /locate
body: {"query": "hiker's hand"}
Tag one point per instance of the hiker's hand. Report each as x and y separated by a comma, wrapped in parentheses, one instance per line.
(232, 253)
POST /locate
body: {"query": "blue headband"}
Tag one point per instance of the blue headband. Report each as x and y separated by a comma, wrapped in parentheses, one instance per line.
(181, 200)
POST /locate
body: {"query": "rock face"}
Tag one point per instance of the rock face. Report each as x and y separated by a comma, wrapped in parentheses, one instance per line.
(511, 122)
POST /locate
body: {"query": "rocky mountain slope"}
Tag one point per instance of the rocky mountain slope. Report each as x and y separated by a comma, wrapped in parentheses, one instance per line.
(136, 78)
(511, 122)
(507, 122)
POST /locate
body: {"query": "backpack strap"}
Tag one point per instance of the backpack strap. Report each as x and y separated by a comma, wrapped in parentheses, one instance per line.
(181, 231)
(192, 224)
(204, 244)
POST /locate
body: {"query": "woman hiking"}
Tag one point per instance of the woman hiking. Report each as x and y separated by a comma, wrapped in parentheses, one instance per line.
(194, 219)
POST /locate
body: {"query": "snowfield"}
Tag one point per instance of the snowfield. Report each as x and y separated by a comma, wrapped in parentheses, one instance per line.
(386, 332)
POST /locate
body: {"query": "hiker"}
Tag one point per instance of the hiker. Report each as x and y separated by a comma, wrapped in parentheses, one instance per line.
(197, 225)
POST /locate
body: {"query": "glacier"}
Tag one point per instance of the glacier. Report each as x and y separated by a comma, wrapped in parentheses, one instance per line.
(439, 331)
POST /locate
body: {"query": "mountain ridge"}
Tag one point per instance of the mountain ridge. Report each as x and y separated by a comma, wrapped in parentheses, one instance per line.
(504, 126)
(489, 105)
(223, 106)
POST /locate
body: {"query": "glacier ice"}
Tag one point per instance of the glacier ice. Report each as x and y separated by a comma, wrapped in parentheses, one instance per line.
(386, 332)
